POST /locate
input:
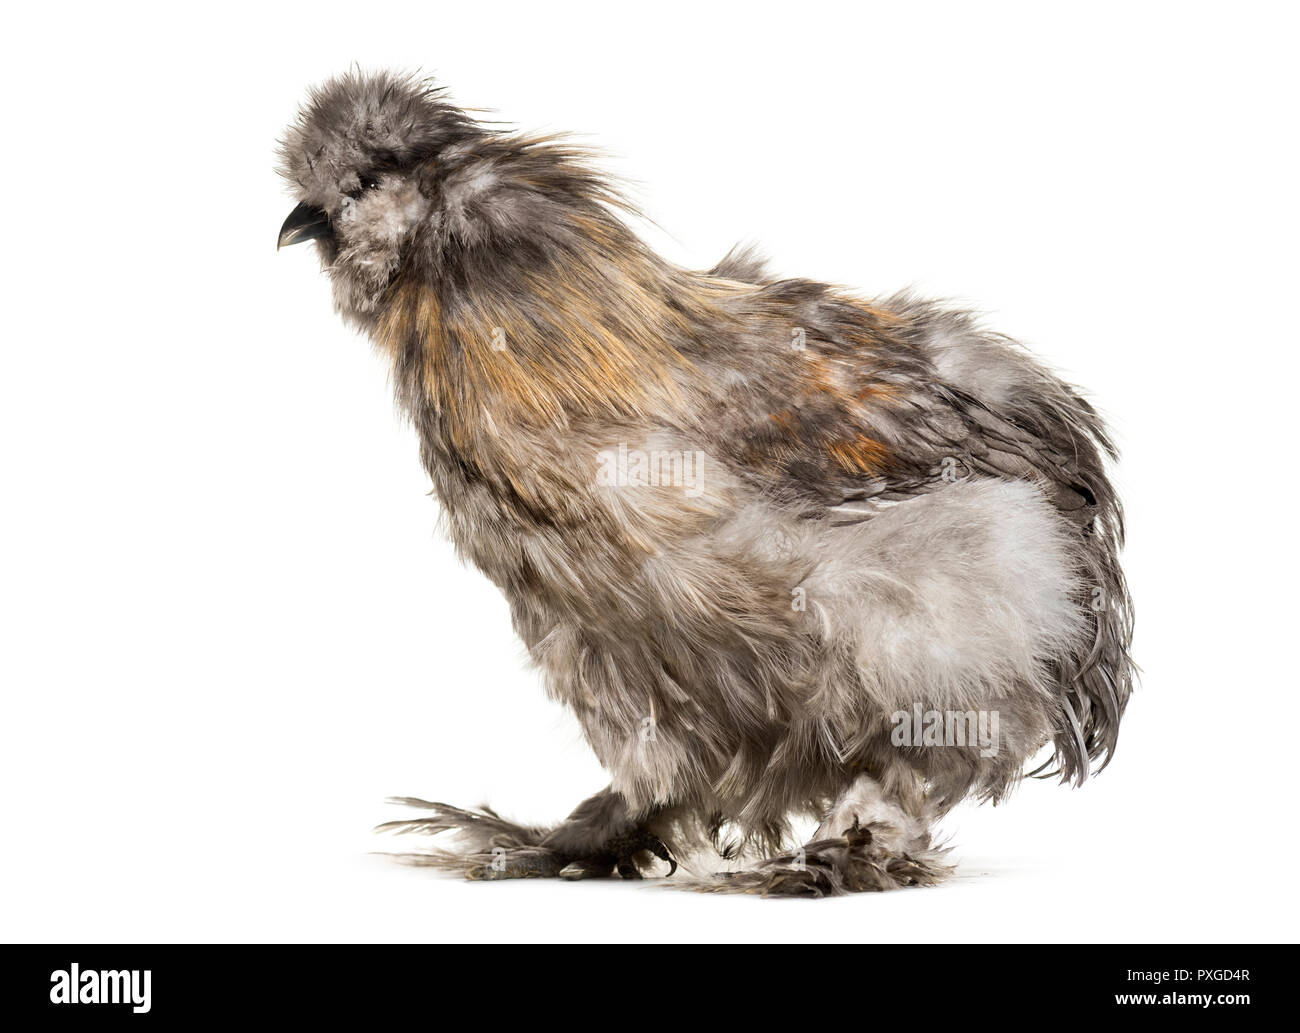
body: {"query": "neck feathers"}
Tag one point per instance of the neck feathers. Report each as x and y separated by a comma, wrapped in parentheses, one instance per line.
(534, 305)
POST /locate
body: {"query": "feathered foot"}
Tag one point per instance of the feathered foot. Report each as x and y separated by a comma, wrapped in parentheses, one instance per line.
(596, 841)
(494, 848)
(854, 862)
(868, 841)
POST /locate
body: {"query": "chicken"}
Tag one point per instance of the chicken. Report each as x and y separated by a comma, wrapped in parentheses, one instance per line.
(786, 553)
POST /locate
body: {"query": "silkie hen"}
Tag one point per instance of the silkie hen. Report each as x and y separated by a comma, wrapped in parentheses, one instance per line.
(784, 552)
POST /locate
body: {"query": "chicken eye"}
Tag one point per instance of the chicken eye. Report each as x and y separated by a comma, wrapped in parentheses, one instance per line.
(367, 183)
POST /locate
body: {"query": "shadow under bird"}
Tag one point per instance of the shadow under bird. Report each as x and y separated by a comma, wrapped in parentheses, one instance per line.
(786, 553)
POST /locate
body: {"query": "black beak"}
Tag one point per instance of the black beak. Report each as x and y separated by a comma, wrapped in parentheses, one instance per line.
(306, 222)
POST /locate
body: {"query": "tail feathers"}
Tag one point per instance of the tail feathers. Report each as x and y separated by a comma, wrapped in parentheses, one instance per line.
(1096, 686)
(1025, 422)
(1097, 680)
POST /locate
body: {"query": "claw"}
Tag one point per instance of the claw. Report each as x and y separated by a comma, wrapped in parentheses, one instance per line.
(660, 851)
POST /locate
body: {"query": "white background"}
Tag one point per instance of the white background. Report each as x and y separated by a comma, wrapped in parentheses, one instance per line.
(230, 630)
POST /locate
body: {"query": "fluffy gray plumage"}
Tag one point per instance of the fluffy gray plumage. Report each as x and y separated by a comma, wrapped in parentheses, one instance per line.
(743, 522)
